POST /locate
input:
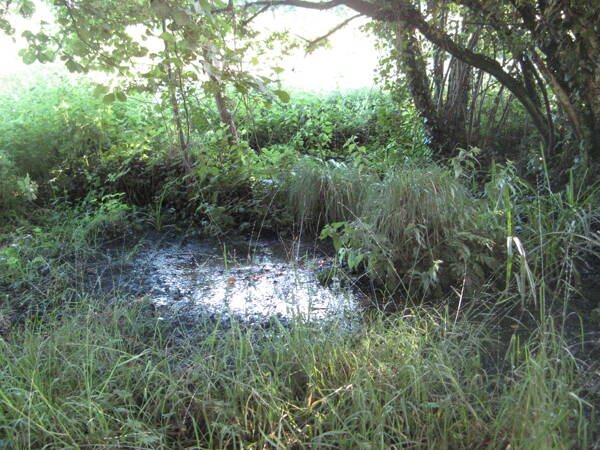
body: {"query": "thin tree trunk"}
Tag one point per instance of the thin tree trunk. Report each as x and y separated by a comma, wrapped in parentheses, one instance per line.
(226, 116)
(221, 100)
(172, 87)
(411, 62)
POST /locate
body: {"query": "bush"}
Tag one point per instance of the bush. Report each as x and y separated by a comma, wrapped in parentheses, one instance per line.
(55, 120)
(334, 125)
(326, 192)
(47, 122)
(417, 228)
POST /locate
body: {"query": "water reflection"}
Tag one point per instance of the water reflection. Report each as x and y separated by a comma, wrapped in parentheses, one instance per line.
(248, 280)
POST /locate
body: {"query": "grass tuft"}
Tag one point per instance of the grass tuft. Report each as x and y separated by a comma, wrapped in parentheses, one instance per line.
(416, 228)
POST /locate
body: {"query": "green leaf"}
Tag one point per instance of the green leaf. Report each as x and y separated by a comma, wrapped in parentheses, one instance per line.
(79, 48)
(283, 95)
(73, 66)
(168, 37)
(141, 52)
(121, 96)
(181, 17)
(27, 56)
(176, 61)
(241, 88)
(108, 99)
(100, 90)
(161, 8)
(204, 6)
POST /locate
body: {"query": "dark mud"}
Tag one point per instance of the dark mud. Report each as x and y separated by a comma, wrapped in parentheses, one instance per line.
(246, 280)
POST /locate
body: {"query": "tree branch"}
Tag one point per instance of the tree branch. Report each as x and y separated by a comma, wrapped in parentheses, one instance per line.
(254, 16)
(313, 44)
(297, 3)
(402, 10)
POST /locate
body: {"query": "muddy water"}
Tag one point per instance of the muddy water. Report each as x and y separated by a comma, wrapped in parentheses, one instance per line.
(249, 280)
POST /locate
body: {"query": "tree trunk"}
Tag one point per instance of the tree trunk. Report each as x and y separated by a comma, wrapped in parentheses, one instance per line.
(593, 117)
(220, 98)
(411, 62)
(225, 114)
(187, 165)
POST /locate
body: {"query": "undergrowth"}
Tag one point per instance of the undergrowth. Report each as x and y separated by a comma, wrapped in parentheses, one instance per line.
(96, 376)
(488, 364)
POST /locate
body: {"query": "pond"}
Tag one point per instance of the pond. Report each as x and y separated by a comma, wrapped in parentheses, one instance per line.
(249, 280)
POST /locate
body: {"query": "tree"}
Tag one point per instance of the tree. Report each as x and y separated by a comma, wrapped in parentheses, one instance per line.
(555, 44)
(160, 46)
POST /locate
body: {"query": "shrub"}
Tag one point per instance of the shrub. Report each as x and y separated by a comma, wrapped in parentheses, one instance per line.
(417, 228)
(54, 123)
(324, 125)
(46, 122)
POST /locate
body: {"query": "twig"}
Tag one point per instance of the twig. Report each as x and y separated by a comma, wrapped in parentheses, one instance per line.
(313, 44)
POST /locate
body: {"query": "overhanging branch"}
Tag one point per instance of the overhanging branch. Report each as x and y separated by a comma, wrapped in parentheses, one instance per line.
(313, 43)
(403, 11)
(297, 3)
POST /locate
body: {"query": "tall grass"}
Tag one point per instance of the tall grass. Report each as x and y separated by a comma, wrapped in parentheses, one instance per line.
(49, 261)
(415, 227)
(110, 377)
(555, 233)
(420, 229)
(321, 193)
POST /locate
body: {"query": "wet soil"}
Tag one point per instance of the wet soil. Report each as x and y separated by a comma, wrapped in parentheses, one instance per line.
(240, 279)
(190, 281)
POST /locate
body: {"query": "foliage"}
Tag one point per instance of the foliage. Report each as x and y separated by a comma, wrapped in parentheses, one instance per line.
(97, 149)
(53, 121)
(416, 227)
(176, 50)
(46, 122)
(192, 40)
(84, 165)
(335, 125)
(210, 44)
(78, 371)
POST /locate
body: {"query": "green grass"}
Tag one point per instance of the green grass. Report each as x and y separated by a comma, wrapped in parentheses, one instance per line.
(414, 229)
(321, 193)
(97, 376)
